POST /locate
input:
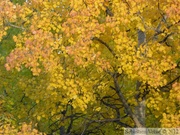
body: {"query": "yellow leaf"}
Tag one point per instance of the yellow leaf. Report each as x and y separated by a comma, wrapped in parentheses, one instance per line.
(38, 118)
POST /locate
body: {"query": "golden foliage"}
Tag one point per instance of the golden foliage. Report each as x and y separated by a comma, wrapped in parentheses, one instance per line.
(73, 48)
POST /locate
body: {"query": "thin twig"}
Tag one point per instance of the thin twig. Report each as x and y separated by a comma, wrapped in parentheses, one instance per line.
(15, 26)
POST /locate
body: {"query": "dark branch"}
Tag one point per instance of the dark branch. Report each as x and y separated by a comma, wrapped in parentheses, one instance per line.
(105, 44)
(168, 86)
(126, 106)
(165, 39)
(22, 97)
(109, 12)
(110, 120)
(31, 109)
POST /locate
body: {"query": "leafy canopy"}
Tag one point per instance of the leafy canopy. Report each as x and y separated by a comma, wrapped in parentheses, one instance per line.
(90, 63)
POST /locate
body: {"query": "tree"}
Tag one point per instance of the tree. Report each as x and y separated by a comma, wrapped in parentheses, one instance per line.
(89, 64)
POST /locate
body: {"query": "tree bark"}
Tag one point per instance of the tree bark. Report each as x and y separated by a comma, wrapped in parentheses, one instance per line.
(140, 108)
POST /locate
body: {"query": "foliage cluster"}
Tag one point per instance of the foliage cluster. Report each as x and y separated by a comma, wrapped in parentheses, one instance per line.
(89, 66)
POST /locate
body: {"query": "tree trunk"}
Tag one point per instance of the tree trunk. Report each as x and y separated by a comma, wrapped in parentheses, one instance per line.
(140, 108)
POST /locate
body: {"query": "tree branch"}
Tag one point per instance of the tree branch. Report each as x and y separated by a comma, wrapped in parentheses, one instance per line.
(167, 36)
(127, 107)
(168, 86)
(15, 26)
(105, 44)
